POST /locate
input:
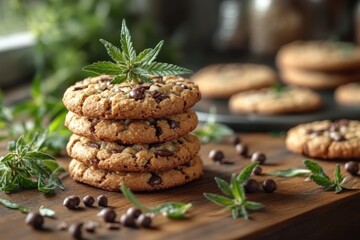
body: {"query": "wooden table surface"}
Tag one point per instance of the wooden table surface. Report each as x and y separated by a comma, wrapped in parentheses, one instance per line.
(297, 210)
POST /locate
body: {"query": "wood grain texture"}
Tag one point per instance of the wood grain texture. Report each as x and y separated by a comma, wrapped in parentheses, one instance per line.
(297, 210)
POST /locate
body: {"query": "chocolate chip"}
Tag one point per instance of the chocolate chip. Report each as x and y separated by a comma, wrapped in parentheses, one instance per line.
(94, 161)
(343, 122)
(154, 180)
(113, 226)
(258, 157)
(108, 214)
(336, 136)
(158, 131)
(235, 139)
(173, 124)
(352, 167)
(79, 88)
(269, 186)
(105, 79)
(257, 171)
(102, 201)
(251, 186)
(71, 202)
(94, 145)
(242, 149)
(164, 153)
(138, 93)
(35, 220)
(114, 151)
(183, 86)
(134, 212)
(158, 96)
(127, 220)
(88, 200)
(75, 230)
(144, 221)
(216, 155)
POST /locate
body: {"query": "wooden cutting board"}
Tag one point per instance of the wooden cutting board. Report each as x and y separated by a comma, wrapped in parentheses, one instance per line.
(297, 210)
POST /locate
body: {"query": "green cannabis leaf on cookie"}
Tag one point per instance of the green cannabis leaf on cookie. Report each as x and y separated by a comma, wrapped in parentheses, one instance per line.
(234, 198)
(129, 66)
(320, 178)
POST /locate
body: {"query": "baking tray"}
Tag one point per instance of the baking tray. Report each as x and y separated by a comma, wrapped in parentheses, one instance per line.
(260, 123)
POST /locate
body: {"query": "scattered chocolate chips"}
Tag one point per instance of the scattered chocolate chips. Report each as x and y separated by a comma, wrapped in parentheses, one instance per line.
(102, 201)
(143, 221)
(35, 220)
(269, 186)
(258, 157)
(164, 153)
(138, 93)
(257, 171)
(216, 155)
(154, 180)
(134, 212)
(71, 202)
(127, 221)
(337, 137)
(251, 186)
(94, 145)
(75, 230)
(235, 139)
(158, 96)
(108, 214)
(88, 200)
(242, 149)
(352, 167)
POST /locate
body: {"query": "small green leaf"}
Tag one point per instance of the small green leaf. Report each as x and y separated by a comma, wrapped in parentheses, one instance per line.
(315, 168)
(224, 186)
(235, 212)
(337, 175)
(235, 187)
(244, 212)
(108, 68)
(218, 199)
(12, 205)
(126, 44)
(173, 209)
(149, 55)
(114, 52)
(322, 181)
(46, 212)
(132, 198)
(338, 189)
(157, 68)
(291, 172)
(245, 173)
(253, 205)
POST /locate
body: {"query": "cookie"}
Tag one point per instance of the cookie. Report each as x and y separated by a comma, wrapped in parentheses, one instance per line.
(316, 79)
(224, 80)
(319, 55)
(97, 98)
(136, 181)
(326, 139)
(270, 101)
(147, 157)
(348, 94)
(135, 131)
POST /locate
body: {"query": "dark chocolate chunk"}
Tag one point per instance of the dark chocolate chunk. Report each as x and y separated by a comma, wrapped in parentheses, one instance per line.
(154, 180)
(164, 153)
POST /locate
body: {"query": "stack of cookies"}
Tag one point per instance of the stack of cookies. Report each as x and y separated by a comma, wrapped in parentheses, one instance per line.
(136, 134)
(319, 64)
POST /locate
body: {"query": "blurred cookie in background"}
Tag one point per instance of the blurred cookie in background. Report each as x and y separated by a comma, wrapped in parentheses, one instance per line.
(224, 80)
(348, 94)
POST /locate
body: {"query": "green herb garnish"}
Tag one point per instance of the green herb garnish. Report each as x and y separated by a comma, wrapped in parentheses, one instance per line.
(12, 205)
(212, 131)
(129, 66)
(235, 198)
(170, 209)
(46, 212)
(26, 166)
(320, 178)
(291, 172)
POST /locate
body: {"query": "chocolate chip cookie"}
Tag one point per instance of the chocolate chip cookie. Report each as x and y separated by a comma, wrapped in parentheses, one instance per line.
(326, 139)
(136, 181)
(224, 80)
(136, 157)
(270, 101)
(97, 98)
(133, 131)
(348, 94)
(319, 55)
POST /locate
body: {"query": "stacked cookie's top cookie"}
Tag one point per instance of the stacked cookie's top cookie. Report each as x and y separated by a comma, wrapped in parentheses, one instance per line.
(137, 134)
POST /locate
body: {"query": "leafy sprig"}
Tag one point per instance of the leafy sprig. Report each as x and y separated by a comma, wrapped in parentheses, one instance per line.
(13, 205)
(212, 131)
(170, 209)
(128, 66)
(291, 172)
(235, 199)
(319, 177)
(26, 166)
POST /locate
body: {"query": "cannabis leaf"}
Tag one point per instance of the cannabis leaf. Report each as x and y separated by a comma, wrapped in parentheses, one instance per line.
(25, 166)
(291, 172)
(212, 131)
(46, 212)
(129, 66)
(12, 205)
(235, 199)
(320, 178)
(170, 209)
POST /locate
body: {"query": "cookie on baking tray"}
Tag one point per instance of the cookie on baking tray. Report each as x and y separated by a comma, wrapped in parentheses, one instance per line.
(348, 94)
(272, 101)
(132, 131)
(137, 157)
(224, 80)
(136, 181)
(326, 139)
(319, 55)
(316, 79)
(96, 98)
